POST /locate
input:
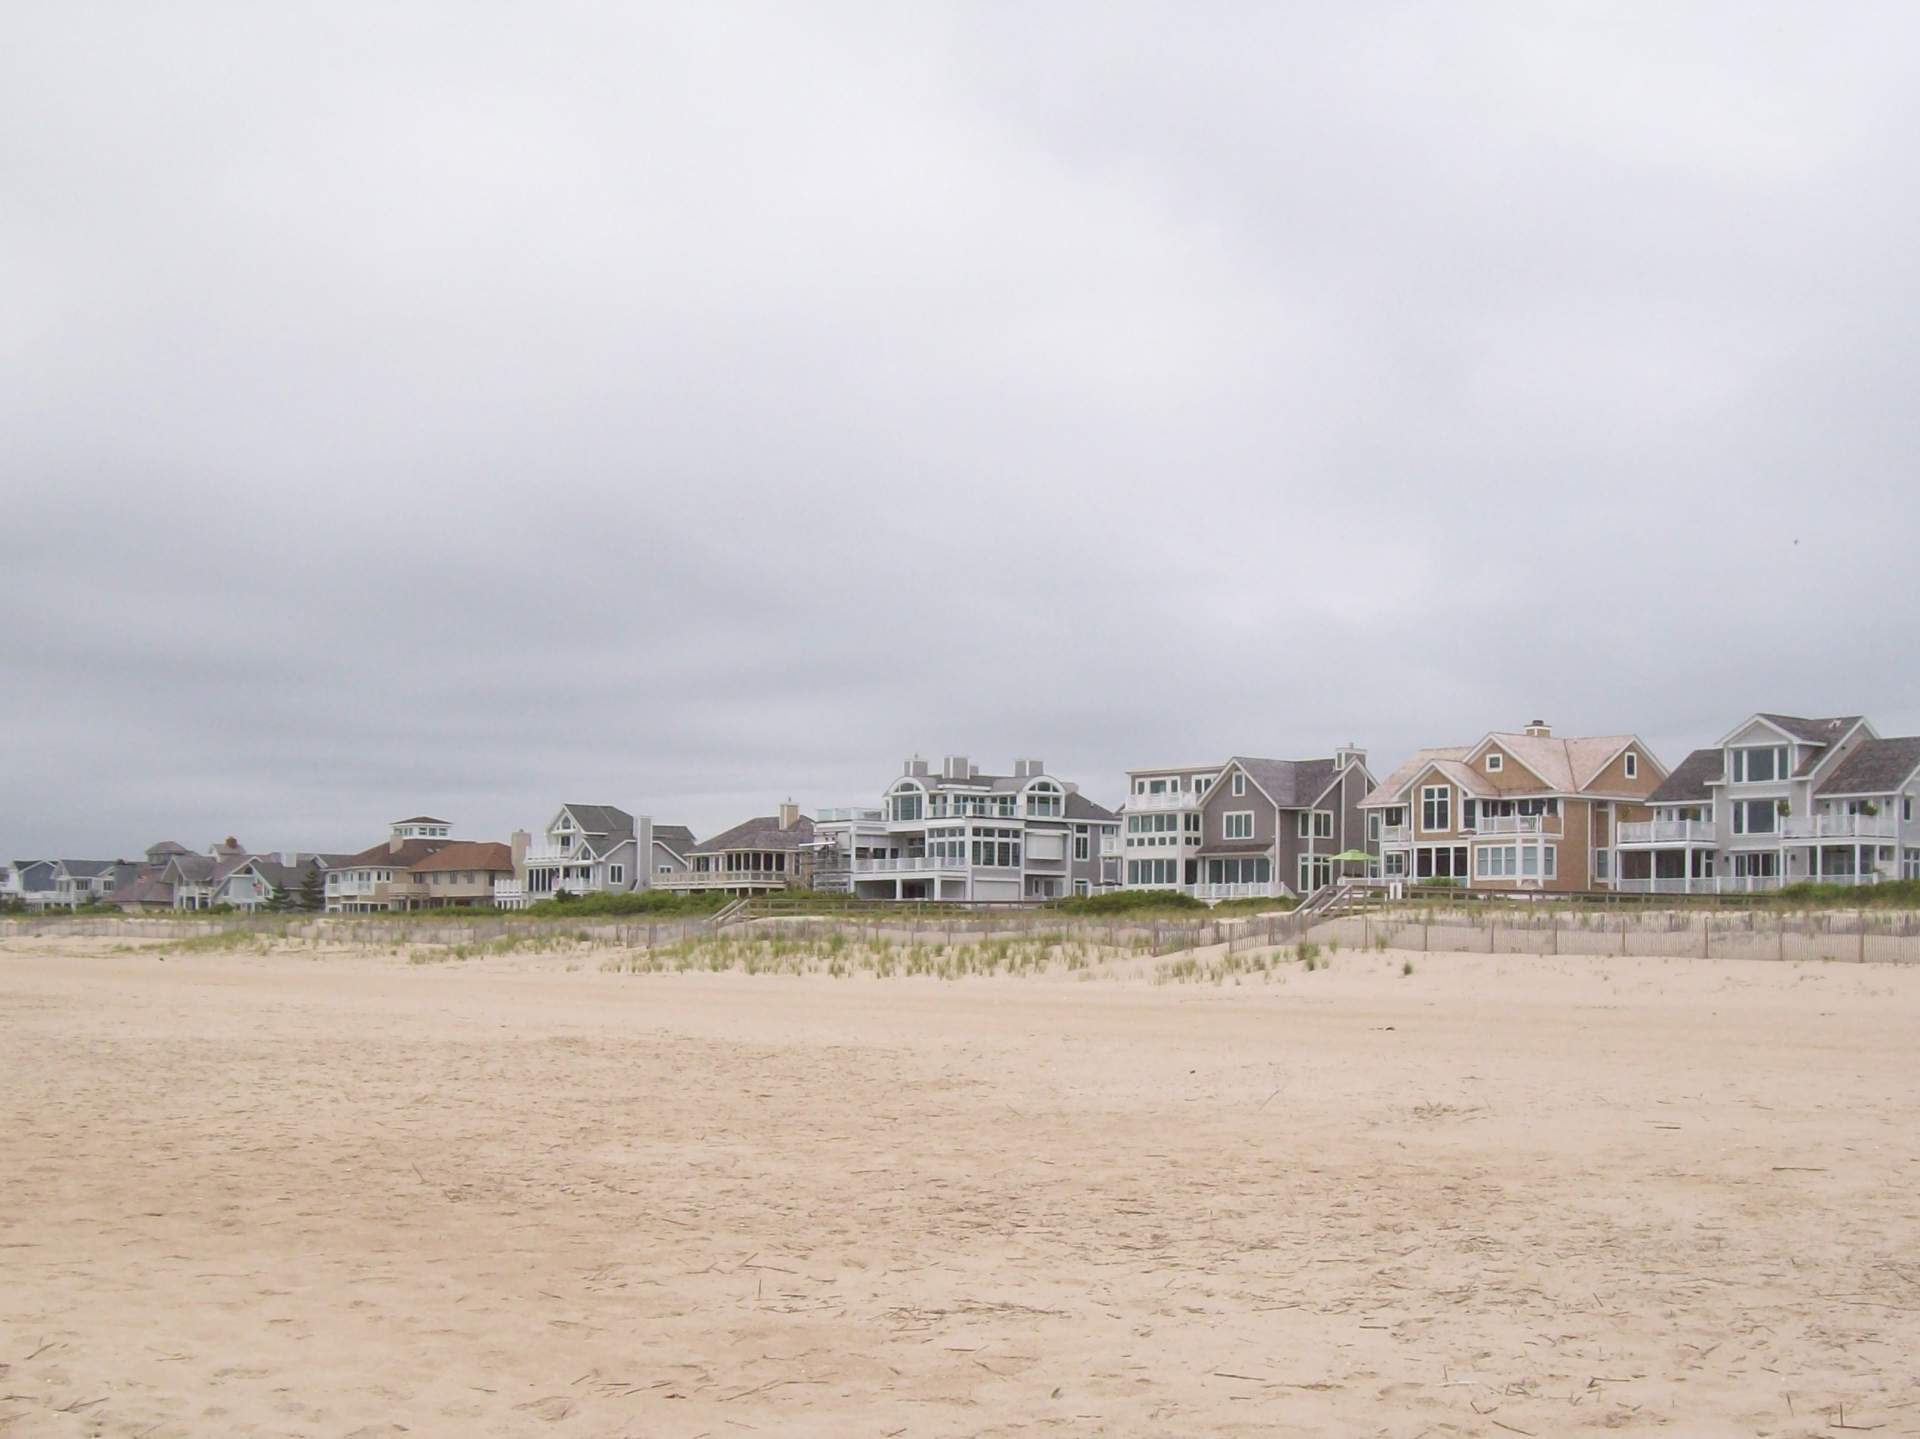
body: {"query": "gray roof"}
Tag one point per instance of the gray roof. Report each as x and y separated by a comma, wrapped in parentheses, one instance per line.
(1688, 782)
(1291, 783)
(284, 877)
(193, 868)
(676, 837)
(1080, 807)
(1814, 731)
(86, 868)
(601, 819)
(35, 874)
(762, 832)
(168, 847)
(1875, 766)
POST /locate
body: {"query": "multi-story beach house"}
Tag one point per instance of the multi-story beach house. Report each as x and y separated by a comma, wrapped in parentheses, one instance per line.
(1522, 810)
(226, 876)
(1246, 827)
(757, 856)
(594, 849)
(961, 835)
(1781, 799)
(377, 879)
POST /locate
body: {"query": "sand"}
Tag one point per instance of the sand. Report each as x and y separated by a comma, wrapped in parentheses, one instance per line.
(247, 1194)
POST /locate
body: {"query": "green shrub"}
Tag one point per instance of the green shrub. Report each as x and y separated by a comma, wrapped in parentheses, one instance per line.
(1127, 901)
(646, 901)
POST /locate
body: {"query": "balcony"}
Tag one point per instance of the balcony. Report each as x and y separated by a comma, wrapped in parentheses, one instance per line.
(1178, 799)
(912, 864)
(1841, 826)
(853, 814)
(1110, 846)
(545, 854)
(1666, 831)
(1396, 834)
(725, 879)
(1517, 824)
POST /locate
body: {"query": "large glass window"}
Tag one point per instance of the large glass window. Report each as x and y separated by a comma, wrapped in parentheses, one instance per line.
(1759, 765)
(1756, 816)
(1237, 824)
(1436, 809)
(907, 805)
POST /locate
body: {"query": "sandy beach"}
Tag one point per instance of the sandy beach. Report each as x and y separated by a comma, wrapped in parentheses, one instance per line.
(344, 1195)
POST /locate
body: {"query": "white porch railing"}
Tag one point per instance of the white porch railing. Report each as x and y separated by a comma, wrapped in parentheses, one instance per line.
(1272, 889)
(1181, 799)
(1396, 834)
(509, 894)
(1518, 824)
(1841, 826)
(1710, 884)
(553, 854)
(1667, 831)
(852, 814)
(912, 864)
(722, 879)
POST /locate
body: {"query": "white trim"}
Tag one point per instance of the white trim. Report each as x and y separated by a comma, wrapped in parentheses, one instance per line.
(1495, 761)
(1226, 828)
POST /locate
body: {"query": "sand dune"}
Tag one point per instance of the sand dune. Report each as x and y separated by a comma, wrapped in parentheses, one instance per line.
(281, 1195)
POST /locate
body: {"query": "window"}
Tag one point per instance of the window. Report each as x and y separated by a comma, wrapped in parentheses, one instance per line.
(1373, 826)
(1906, 808)
(1756, 816)
(1394, 864)
(616, 874)
(1495, 763)
(1306, 824)
(906, 805)
(1082, 849)
(1436, 809)
(1633, 765)
(1237, 824)
(1602, 863)
(1470, 813)
(1323, 824)
(1758, 766)
(1239, 783)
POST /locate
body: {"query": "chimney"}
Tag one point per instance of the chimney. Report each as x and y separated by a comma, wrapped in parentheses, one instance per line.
(1540, 729)
(518, 841)
(789, 814)
(917, 768)
(956, 767)
(1347, 755)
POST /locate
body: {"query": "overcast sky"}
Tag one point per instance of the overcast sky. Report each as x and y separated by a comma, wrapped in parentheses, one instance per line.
(467, 407)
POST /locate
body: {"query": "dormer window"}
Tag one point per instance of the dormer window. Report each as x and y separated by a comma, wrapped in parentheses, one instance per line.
(1495, 762)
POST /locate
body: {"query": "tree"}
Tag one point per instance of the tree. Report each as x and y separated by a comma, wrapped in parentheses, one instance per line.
(313, 890)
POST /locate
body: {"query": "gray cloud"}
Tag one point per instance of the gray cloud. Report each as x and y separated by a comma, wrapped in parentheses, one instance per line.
(467, 407)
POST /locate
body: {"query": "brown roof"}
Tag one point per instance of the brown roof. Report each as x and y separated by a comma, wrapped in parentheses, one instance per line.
(410, 853)
(467, 854)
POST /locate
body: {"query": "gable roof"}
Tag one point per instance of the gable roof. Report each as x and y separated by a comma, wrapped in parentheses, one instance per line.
(760, 832)
(1813, 731)
(467, 854)
(1568, 765)
(1875, 766)
(1690, 778)
(421, 819)
(167, 847)
(1289, 783)
(601, 819)
(1389, 790)
(144, 889)
(676, 837)
(86, 868)
(1082, 808)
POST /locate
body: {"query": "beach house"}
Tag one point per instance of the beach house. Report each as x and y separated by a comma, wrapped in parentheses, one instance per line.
(1519, 810)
